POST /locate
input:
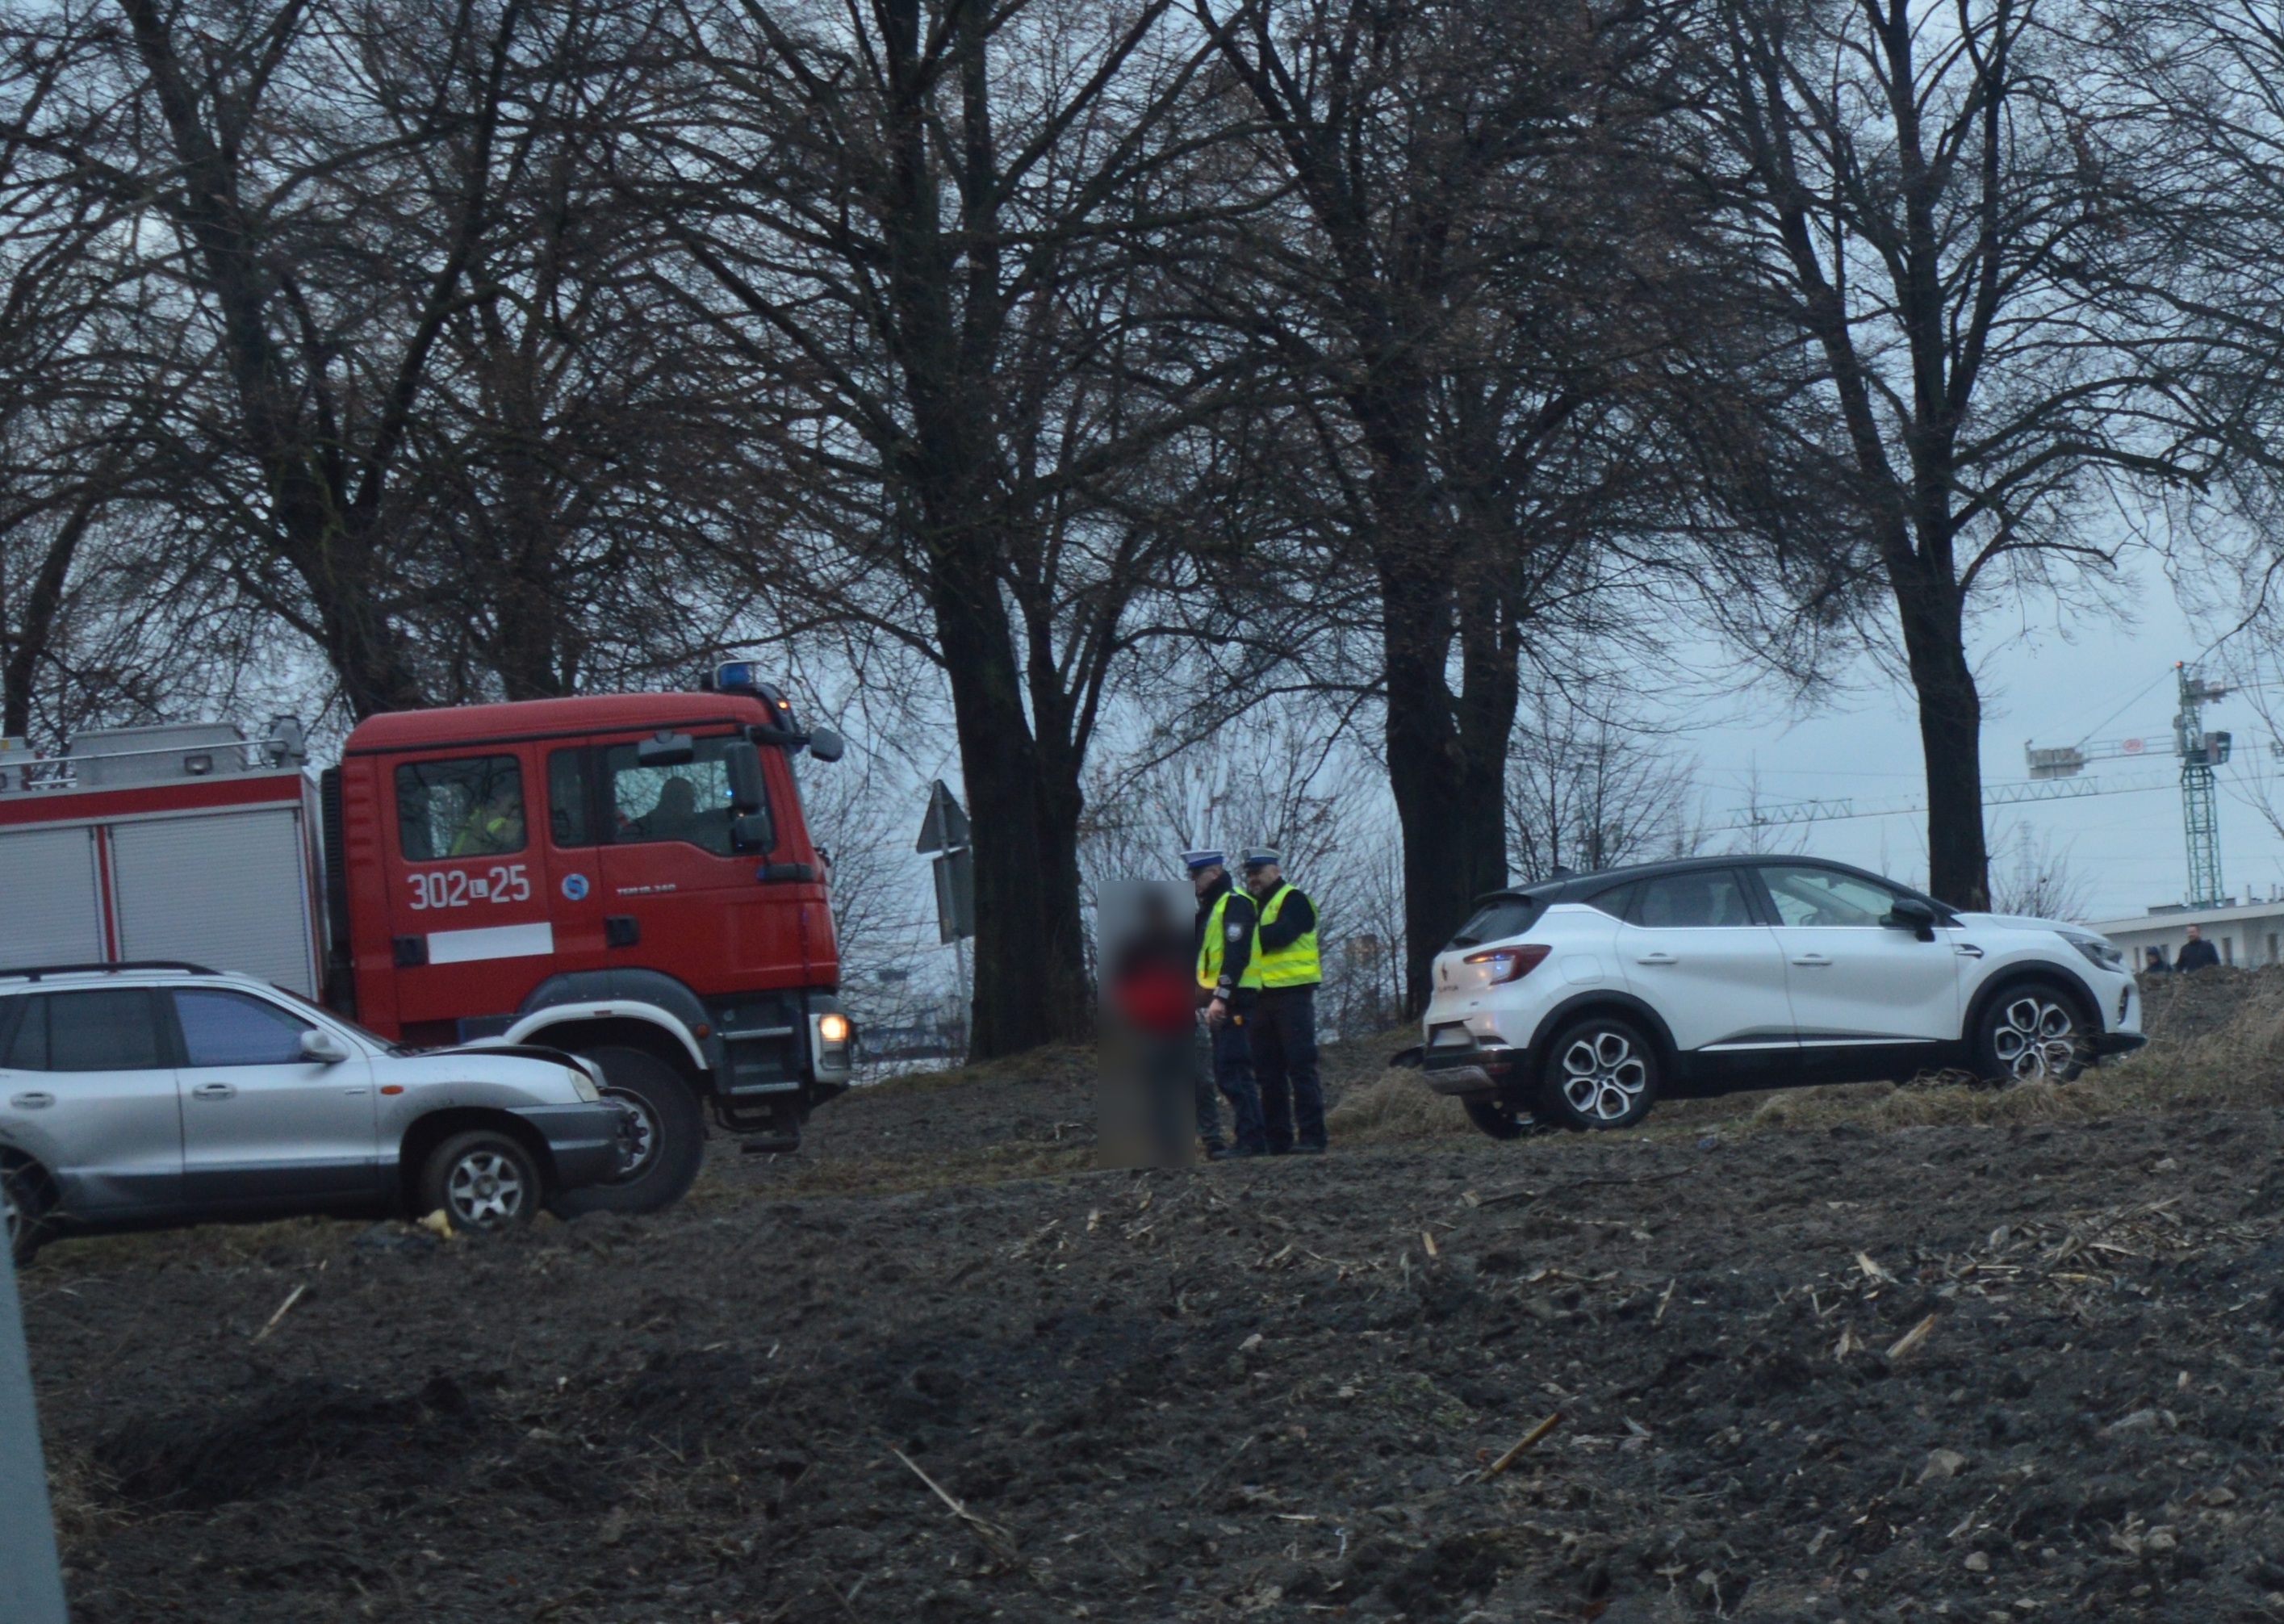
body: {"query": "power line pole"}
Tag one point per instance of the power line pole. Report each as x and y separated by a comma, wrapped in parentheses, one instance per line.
(2201, 753)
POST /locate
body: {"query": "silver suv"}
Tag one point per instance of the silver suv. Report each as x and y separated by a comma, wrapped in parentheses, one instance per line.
(134, 1095)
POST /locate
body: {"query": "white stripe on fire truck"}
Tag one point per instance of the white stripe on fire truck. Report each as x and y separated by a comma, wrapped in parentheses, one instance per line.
(491, 942)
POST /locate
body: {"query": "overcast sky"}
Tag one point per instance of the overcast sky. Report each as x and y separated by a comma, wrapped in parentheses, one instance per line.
(2036, 685)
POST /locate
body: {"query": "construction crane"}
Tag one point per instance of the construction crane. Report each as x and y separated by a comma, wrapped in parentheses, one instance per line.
(2199, 752)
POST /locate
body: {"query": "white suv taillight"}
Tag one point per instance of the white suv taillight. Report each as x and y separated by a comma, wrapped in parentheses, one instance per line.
(1509, 963)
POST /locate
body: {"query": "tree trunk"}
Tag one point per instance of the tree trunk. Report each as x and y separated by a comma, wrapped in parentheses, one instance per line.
(36, 625)
(1951, 740)
(999, 762)
(1446, 752)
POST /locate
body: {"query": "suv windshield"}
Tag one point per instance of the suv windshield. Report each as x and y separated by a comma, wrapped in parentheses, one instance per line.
(1498, 919)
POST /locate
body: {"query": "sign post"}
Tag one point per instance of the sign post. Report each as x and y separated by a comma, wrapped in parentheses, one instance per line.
(944, 833)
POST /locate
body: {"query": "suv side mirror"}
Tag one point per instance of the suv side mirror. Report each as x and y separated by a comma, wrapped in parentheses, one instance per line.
(666, 748)
(1910, 913)
(321, 1045)
(742, 761)
(825, 744)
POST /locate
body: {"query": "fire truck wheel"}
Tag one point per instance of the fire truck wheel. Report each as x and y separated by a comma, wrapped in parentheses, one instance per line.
(670, 1137)
(19, 1209)
(483, 1181)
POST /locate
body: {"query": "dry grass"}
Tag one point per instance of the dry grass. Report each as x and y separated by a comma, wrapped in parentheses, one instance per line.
(1393, 1108)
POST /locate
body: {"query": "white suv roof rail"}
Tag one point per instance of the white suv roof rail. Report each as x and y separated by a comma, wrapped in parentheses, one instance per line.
(40, 971)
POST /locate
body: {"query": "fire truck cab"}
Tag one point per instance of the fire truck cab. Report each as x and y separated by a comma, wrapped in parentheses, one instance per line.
(627, 876)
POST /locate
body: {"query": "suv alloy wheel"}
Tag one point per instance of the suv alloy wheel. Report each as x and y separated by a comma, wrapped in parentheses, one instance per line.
(1602, 1072)
(483, 1180)
(2032, 1033)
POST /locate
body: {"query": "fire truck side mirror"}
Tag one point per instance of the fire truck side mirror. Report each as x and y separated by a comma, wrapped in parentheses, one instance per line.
(754, 832)
(666, 749)
(742, 762)
(825, 744)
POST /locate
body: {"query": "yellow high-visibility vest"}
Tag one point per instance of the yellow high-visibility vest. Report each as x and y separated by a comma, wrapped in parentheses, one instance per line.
(1210, 950)
(1296, 964)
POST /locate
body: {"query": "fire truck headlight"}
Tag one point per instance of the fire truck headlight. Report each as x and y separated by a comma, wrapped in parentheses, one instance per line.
(833, 1028)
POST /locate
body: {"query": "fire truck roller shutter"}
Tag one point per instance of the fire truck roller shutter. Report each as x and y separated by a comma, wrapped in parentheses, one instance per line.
(230, 891)
(54, 903)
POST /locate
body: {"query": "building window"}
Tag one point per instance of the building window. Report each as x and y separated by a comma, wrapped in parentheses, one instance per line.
(2272, 947)
(2228, 950)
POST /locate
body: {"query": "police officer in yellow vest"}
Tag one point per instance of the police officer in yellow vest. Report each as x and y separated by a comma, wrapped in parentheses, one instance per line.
(1284, 1024)
(1229, 983)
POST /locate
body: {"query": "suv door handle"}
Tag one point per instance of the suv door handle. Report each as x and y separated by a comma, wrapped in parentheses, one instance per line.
(1815, 961)
(213, 1091)
(1657, 958)
(32, 1101)
(1967, 950)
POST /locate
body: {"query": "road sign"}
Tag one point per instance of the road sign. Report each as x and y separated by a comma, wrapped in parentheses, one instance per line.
(945, 826)
(955, 895)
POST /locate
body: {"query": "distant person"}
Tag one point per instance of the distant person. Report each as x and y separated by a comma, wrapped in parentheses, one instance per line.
(2196, 953)
(495, 824)
(1227, 943)
(2157, 966)
(1285, 1036)
(1152, 997)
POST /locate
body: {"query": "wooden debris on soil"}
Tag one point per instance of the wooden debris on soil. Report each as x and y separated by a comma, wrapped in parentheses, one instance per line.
(995, 1539)
(1523, 1443)
(291, 1296)
(1210, 1478)
(1910, 1341)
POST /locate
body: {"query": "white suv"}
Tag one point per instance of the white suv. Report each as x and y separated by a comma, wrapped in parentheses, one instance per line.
(1579, 1001)
(132, 1094)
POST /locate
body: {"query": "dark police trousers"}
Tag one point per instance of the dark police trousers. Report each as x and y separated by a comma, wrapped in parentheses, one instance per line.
(1232, 1074)
(1284, 1067)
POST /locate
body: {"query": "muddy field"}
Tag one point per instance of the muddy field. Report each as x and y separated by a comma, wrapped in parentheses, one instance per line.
(1800, 1363)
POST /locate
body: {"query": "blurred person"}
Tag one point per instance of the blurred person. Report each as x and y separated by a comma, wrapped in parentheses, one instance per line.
(1229, 986)
(1150, 1071)
(2196, 953)
(493, 824)
(1285, 1028)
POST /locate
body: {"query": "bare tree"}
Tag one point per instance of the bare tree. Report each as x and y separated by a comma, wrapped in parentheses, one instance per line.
(1955, 221)
(930, 228)
(422, 418)
(1496, 291)
(2036, 878)
(1593, 787)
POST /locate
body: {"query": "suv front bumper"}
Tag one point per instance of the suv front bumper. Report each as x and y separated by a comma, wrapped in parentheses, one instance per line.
(586, 1143)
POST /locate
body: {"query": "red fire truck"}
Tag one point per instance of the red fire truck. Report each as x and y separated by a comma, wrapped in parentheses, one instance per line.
(627, 876)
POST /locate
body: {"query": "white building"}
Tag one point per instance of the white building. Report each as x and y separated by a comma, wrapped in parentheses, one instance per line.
(2246, 933)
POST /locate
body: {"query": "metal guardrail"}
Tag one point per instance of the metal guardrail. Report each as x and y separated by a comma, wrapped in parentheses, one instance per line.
(31, 1580)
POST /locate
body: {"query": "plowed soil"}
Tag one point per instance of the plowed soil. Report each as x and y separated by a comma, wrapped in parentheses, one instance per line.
(937, 1367)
